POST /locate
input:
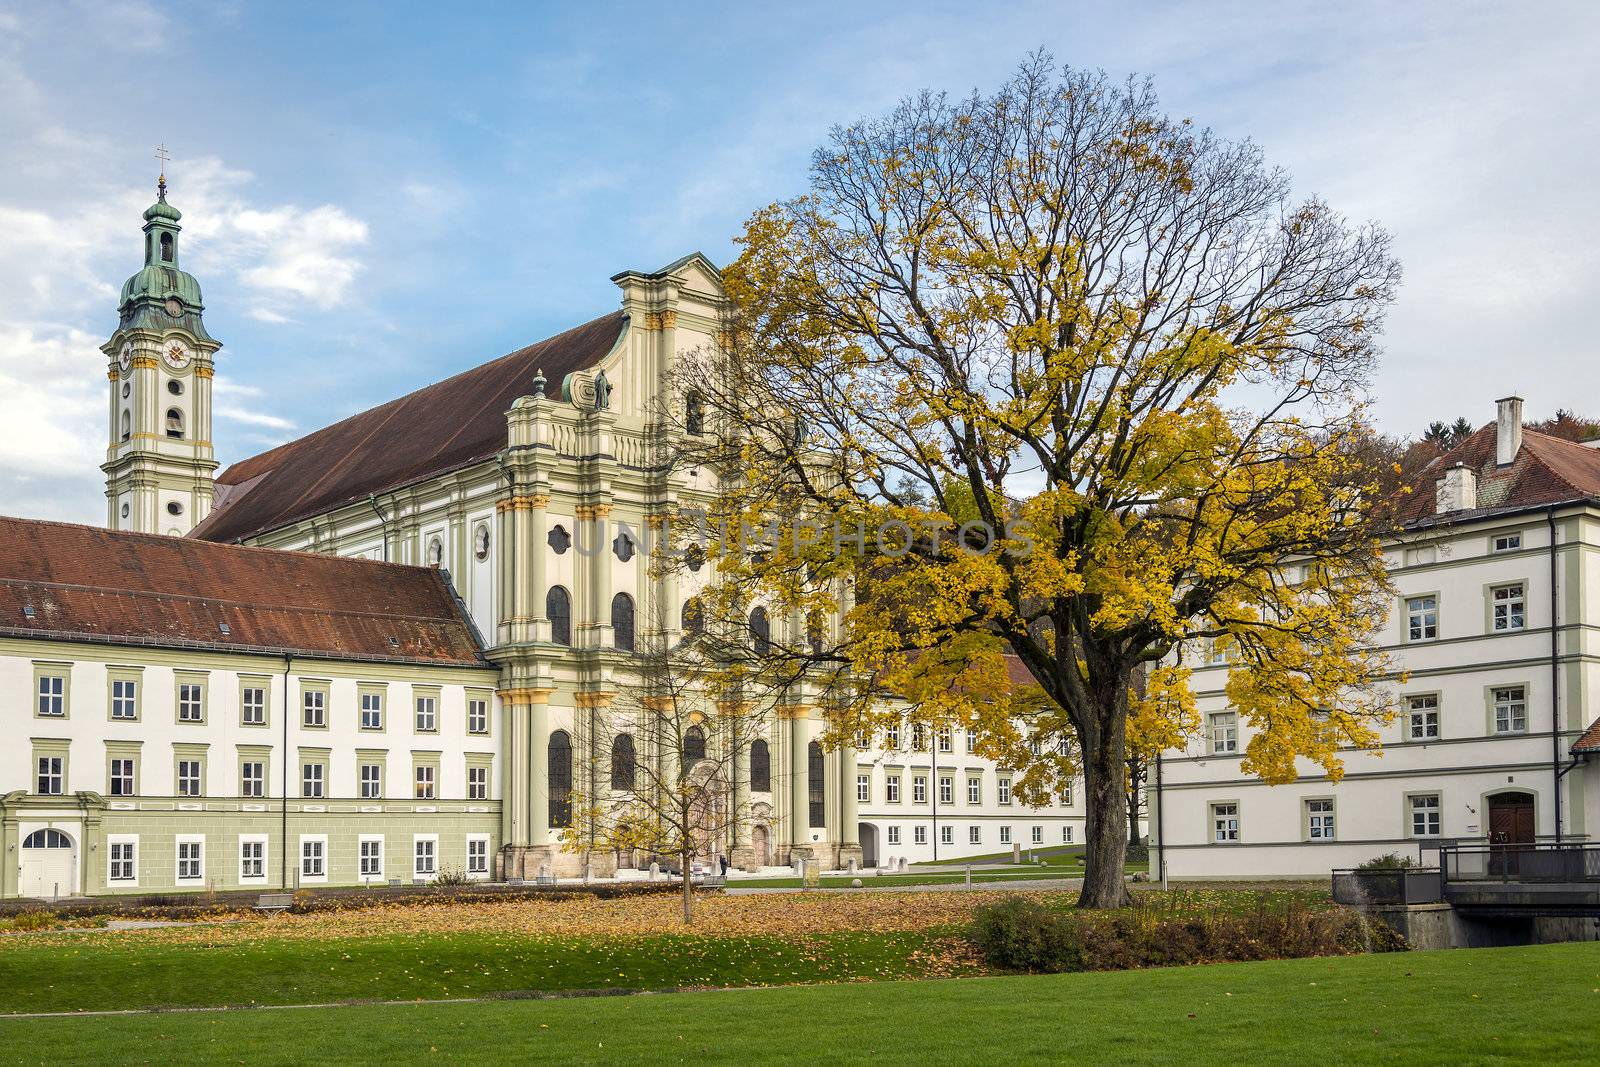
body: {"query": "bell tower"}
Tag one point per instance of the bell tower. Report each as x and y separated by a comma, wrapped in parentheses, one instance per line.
(159, 463)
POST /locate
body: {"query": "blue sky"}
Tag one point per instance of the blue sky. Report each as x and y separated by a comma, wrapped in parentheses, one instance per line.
(377, 196)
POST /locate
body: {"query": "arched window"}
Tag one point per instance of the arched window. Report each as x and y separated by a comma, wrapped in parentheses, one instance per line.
(816, 633)
(622, 621)
(127, 425)
(760, 631)
(47, 839)
(814, 792)
(694, 414)
(174, 422)
(558, 539)
(166, 248)
(560, 769)
(558, 609)
(694, 617)
(760, 767)
(694, 746)
(623, 766)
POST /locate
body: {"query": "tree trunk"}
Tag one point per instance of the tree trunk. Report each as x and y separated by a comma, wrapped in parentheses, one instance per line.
(1135, 784)
(688, 889)
(1105, 771)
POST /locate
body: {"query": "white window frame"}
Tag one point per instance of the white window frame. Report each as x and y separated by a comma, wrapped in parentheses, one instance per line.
(1321, 819)
(892, 834)
(1507, 542)
(122, 854)
(1038, 835)
(313, 858)
(1223, 731)
(424, 855)
(477, 782)
(477, 715)
(130, 778)
(52, 696)
(427, 714)
(1422, 617)
(369, 857)
(372, 710)
(125, 699)
(974, 835)
(974, 790)
(189, 853)
(1508, 607)
(864, 788)
(1005, 835)
(1508, 705)
(1066, 835)
(191, 702)
(1422, 717)
(313, 786)
(252, 859)
(891, 789)
(946, 739)
(1429, 809)
(947, 834)
(1224, 822)
(253, 710)
(51, 781)
(253, 785)
(313, 709)
(478, 856)
(425, 782)
(919, 835)
(1003, 791)
(919, 789)
(371, 785)
(947, 790)
(198, 778)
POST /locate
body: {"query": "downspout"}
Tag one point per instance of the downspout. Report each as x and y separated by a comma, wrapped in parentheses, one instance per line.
(1555, 674)
(1161, 811)
(372, 500)
(283, 777)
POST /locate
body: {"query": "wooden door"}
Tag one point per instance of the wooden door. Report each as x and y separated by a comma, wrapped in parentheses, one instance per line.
(1511, 831)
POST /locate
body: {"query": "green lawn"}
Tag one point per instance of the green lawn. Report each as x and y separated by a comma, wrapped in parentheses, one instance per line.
(96, 972)
(1517, 1005)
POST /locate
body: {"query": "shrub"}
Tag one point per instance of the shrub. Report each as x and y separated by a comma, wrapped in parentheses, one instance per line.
(1020, 934)
(1392, 861)
(448, 877)
(33, 919)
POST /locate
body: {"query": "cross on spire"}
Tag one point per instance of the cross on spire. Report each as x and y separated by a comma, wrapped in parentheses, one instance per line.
(162, 156)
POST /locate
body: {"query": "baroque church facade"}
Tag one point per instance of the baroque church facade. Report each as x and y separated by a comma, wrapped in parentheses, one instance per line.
(527, 487)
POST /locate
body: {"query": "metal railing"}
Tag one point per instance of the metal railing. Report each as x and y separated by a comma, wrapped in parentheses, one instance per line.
(1395, 885)
(1520, 863)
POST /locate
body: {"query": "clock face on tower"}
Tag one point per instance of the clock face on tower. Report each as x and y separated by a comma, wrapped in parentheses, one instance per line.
(125, 357)
(175, 354)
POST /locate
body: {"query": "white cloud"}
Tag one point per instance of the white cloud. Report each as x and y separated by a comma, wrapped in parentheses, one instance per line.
(54, 409)
(230, 401)
(267, 315)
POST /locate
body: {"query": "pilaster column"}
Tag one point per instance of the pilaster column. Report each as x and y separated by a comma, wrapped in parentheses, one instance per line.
(505, 563)
(539, 768)
(596, 560)
(534, 556)
(799, 777)
(849, 805)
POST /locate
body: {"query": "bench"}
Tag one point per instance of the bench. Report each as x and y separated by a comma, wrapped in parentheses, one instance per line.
(274, 902)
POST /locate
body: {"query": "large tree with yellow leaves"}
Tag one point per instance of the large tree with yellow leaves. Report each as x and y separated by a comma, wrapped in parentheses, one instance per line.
(1048, 373)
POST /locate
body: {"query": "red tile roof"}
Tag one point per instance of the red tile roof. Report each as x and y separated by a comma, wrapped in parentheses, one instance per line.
(84, 583)
(1590, 741)
(443, 427)
(1547, 470)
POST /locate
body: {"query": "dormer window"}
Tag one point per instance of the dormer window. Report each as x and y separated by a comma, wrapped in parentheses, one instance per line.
(166, 248)
(174, 423)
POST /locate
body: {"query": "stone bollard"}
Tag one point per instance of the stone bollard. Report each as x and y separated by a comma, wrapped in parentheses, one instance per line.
(902, 865)
(1016, 853)
(655, 869)
(851, 866)
(969, 876)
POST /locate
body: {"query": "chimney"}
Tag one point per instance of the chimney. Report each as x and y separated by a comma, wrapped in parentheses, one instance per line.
(1457, 490)
(1507, 430)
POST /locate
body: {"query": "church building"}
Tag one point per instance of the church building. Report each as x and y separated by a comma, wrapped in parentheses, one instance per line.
(505, 510)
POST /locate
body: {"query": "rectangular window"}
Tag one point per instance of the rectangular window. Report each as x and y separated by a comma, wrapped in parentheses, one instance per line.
(477, 783)
(1509, 609)
(426, 850)
(477, 855)
(477, 716)
(1066, 834)
(191, 702)
(1425, 815)
(52, 694)
(891, 737)
(919, 737)
(947, 835)
(1422, 618)
(424, 783)
(312, 780)
(189, 784)
(252, 859)
(124, 698)
(1424, 717)
(191, 860)
(1510, 710)
(122, 777)
(974, 835)
(1319, 820)
(919, 835)
(427, 717)
(891, 789)
(974, 790)
(894, 835)
(972, 741)
(372, 859)
(1507, 542)
(1038, 835)
(946, 739)
(372, 711)
(1003, 791)
(252, 778)
(253, 705)
(313, 858)
(371, 781)
(1005, 835)
(1224, 733)
(1224, 823)
(919, 789)
(122, 862)
(863, 788)
(51, 776)
(314, 709)
(947, 790)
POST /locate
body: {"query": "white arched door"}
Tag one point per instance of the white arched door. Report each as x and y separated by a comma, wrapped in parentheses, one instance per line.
(49, 865)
